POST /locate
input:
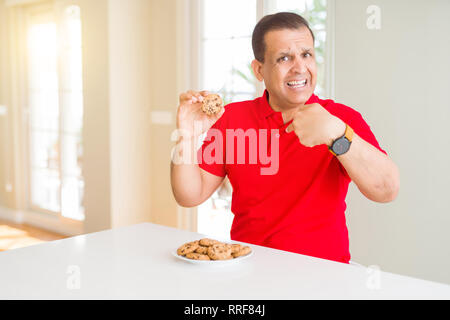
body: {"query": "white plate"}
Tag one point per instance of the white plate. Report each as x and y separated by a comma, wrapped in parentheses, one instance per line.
(213, 262)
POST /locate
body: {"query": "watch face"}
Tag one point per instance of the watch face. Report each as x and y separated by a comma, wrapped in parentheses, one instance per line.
(341, 146)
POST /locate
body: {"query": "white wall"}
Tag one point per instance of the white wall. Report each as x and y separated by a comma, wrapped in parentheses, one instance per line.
(130, 54)
(96, 121)
(398, 77)
(130, 71)
(137, 75)
(165, 69)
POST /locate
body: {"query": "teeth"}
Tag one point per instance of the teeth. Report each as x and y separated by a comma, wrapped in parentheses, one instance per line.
(297, 83)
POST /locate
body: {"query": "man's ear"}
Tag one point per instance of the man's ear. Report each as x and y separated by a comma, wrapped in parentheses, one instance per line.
(257, 70)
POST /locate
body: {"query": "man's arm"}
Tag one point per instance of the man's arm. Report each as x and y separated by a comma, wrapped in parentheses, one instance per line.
(373, 172)
(191, 185)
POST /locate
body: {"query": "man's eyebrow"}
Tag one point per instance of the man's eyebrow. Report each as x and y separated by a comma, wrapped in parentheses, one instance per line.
(288, 52)
(283, 53)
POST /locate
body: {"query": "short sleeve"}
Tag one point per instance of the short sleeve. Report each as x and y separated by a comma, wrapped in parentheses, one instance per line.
(355, 120)
(362, 129)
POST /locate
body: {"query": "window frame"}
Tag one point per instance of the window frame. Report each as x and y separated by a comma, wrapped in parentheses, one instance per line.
(17, 12)
(49, 12)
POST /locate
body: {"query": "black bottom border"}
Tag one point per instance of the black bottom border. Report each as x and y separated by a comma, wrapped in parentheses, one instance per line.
(218, 309)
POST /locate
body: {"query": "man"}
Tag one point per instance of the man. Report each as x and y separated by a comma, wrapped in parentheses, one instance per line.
(321, 147)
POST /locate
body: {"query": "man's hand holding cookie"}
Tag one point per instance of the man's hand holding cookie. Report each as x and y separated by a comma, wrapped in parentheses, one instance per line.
(197, 113)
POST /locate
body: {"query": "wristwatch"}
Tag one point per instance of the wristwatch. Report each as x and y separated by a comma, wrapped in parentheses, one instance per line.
(342, 145)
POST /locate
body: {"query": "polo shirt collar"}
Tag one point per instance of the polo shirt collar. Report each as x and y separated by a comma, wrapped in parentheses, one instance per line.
(266, 110)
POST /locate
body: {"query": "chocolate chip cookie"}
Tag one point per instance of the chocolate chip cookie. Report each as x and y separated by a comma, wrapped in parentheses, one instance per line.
(197, 256)
(212, 104)
(219, 252)
(187, 248)
(202, 250)
(208, 242)
(242, 251)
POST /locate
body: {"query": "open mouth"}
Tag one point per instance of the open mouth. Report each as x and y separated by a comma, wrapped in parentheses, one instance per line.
(296, 84)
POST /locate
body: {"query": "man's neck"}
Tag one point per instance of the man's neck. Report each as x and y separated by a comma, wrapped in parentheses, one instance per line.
(287, 112)
(288, 115)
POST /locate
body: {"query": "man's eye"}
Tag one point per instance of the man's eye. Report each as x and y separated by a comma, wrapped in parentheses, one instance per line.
(307, 55)
(283, 58)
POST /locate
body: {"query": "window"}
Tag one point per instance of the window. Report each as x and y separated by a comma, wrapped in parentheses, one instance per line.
(226, 54)
(55, 110)
(227, 48)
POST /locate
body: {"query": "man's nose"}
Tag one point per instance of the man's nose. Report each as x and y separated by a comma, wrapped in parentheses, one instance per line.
(299, 65)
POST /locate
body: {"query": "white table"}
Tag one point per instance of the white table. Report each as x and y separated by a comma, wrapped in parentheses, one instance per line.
(135, 262)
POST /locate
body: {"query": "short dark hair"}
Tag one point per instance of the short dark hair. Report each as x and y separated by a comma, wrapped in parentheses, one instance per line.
(277, 21)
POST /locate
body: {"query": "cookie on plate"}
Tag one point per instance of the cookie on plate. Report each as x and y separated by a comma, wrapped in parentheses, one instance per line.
(212, 104)
(208, 242)
(219, 252)
(202, 250)
(235, 248)
(197, 256)
(242, 251)
(187, 248)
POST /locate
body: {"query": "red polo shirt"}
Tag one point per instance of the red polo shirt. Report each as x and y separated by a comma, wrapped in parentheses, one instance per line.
(297, 204)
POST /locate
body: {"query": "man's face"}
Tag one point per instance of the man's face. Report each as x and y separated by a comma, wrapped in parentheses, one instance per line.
(289, 69)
